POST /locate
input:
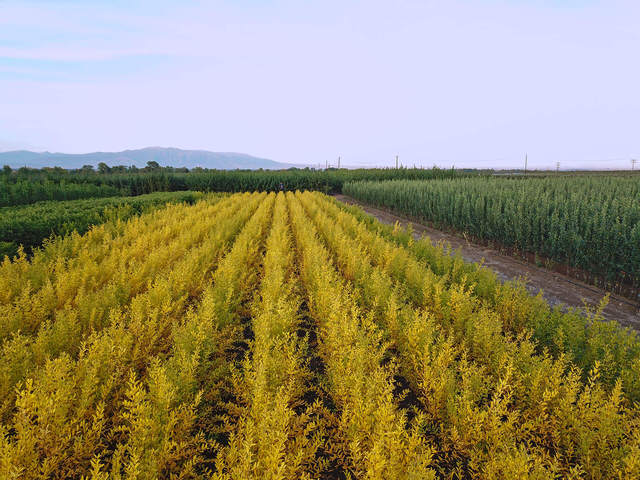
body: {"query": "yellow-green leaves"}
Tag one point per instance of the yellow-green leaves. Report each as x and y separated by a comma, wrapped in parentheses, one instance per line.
(281, 337)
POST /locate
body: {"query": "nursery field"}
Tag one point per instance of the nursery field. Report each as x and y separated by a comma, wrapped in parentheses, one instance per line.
(288, 336)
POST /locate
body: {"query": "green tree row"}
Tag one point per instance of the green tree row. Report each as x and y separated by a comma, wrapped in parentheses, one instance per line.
(592, 223)
(30, 225)
(26, 191)
(30, 185)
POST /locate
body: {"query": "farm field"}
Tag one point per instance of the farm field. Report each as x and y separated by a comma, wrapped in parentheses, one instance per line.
(585, 226)
(263, 335)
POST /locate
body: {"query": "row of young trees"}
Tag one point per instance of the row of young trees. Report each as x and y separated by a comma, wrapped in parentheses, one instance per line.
(30, 225)
(588, 222)
(28, 186)
(101, 168)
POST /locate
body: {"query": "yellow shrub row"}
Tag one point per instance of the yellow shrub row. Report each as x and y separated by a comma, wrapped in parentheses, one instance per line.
(172, 414)
(72, 412)
(374, 439)
(75, 256)
(89, 285)
(69, 327)
(275, 436)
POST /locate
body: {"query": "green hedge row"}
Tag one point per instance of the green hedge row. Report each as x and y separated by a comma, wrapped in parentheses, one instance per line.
(592, 223)
(23, 188)
(29, 225)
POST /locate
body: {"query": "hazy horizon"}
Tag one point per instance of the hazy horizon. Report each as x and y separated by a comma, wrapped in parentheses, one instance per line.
(462, 83)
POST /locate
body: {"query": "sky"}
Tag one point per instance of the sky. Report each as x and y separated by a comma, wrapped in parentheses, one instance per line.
(464, 83)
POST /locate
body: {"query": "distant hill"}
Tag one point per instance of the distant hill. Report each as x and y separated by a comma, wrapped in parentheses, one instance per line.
(173, 157)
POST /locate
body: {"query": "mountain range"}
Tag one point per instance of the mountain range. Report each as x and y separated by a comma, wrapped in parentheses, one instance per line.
(173, 157)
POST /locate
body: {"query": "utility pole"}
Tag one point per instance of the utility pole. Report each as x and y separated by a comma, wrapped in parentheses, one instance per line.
(557, 167)
(396, 162)
(525, 163)
(326, 164)
(338, 162)
(633, 164)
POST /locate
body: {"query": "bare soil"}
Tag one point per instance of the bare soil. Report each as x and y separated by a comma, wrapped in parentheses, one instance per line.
(556, 288)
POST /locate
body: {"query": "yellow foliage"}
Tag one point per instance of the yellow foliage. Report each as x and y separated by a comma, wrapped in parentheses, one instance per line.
(282, 336)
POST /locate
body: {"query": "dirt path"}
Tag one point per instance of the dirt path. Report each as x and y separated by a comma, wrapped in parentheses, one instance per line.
(556, 288)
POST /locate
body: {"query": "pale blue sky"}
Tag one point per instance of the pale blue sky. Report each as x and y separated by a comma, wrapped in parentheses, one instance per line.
(470, 83)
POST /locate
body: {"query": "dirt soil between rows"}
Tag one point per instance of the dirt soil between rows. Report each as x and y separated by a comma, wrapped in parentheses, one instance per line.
(556, 288)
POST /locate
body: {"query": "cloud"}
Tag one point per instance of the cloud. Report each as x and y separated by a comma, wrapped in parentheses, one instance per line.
(72, 53)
